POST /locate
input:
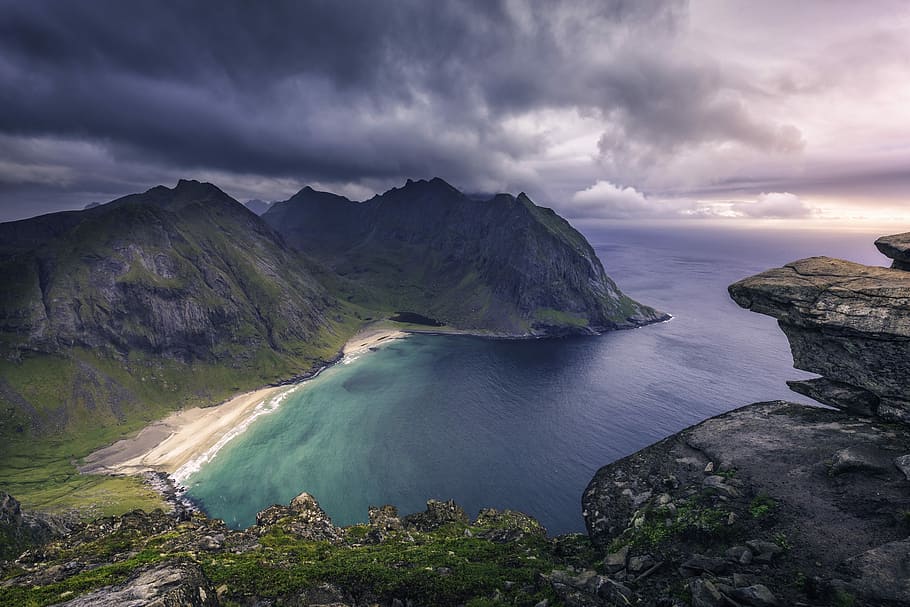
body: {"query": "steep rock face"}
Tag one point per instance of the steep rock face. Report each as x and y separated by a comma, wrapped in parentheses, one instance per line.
(185, 277)
(762, 496)
(170, 584)
(19, 530)
(845, 321)
(178, 273)
(502, 264)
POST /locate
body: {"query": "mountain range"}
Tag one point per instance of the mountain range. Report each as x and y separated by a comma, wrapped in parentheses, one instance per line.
(502, 264)
(114, 315)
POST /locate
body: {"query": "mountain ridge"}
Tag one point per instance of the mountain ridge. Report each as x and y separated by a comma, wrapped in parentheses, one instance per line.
(503, 263)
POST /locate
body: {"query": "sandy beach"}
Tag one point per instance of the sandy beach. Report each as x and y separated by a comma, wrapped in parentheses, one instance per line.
(172, 442)
(185, 439)
(370, 338)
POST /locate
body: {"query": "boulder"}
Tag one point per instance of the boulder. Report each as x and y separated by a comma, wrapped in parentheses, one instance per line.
(897, 248)
(507, 525)
(436, 515)
(303, 518)
(169, 584)
(882, 574)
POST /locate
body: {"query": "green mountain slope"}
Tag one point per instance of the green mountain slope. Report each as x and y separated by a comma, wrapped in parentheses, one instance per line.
(112, 316)
(503, 265)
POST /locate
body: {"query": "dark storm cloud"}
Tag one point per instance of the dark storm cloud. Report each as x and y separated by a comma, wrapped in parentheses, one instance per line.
(110, 97)
(336, 91)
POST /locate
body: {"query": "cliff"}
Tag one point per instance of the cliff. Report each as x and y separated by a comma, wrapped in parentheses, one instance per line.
(503, 265)
(772, 504)
(779, 503)
(847, 322)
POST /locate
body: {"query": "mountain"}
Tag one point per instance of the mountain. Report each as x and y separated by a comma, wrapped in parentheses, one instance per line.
(152, 300)
(502, 264)
(257, 206)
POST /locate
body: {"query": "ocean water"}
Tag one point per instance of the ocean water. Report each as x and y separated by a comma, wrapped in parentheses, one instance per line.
(525, 424)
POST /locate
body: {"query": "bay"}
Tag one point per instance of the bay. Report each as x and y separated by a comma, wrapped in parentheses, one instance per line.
(525, 424)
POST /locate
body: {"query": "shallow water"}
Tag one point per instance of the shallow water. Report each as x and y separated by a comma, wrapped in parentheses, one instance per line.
(525, 424)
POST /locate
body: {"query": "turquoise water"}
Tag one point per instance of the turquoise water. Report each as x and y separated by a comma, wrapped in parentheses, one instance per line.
(523, 424)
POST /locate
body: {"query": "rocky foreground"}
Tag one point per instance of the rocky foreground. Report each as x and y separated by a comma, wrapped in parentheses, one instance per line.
(775, 503)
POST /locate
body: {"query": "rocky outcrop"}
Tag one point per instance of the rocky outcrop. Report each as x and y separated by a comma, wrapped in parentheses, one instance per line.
(504, 265)
(20, 530)
(436, 515)
(848, 322)
(295, 556)
(303, 518)
(774, 503)
(897, 248)
(169, 584)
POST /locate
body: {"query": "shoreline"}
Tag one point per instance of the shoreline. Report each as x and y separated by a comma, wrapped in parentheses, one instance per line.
(180, 443)
(167, 451)
(170, 443)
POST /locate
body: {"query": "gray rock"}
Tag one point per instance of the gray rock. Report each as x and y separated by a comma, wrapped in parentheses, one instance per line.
(741, 579)
(383, 521)
(883, 573)
(170, 584)
(638, 564)
(764, 551)
(758, 595)
(616, 561)
(705, 594)
(697, 564)
(436, 515)
(848, 322)
(903, 464)
(859, 458)
(896, 247)
(838, 395)
(209, 543)
(739, 554)
(303, 517)
(329, 595)
(718, 483)
(384, 518)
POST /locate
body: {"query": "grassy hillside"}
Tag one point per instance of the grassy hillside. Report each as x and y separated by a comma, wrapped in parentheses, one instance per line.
(115, 316)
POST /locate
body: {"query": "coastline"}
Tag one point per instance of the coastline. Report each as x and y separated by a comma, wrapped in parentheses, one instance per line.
(170, 443)
(166, 452)
(184, 440)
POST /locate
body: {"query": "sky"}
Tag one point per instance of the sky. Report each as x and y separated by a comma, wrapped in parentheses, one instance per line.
(610, 111)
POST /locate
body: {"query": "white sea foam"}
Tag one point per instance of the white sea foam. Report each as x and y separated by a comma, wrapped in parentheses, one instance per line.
(264, 407)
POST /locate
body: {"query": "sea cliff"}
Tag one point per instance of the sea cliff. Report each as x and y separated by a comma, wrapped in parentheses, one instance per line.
(774, 503)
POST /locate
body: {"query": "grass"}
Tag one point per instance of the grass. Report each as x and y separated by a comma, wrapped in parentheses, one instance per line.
(549, 316)
(694, 519)
(444, 567)
(762, 506)
(87, 401)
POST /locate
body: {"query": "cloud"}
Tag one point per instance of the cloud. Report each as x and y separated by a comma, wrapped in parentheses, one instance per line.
(513, 94)
(606, 200)
(776, 205)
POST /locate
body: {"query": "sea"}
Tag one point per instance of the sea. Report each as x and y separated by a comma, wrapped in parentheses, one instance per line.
(525, 424)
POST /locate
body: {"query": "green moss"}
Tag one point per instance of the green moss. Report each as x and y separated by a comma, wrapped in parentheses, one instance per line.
(440, 568)
(693, 520)
(81, 583)
(762, 506)
(557, 318)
